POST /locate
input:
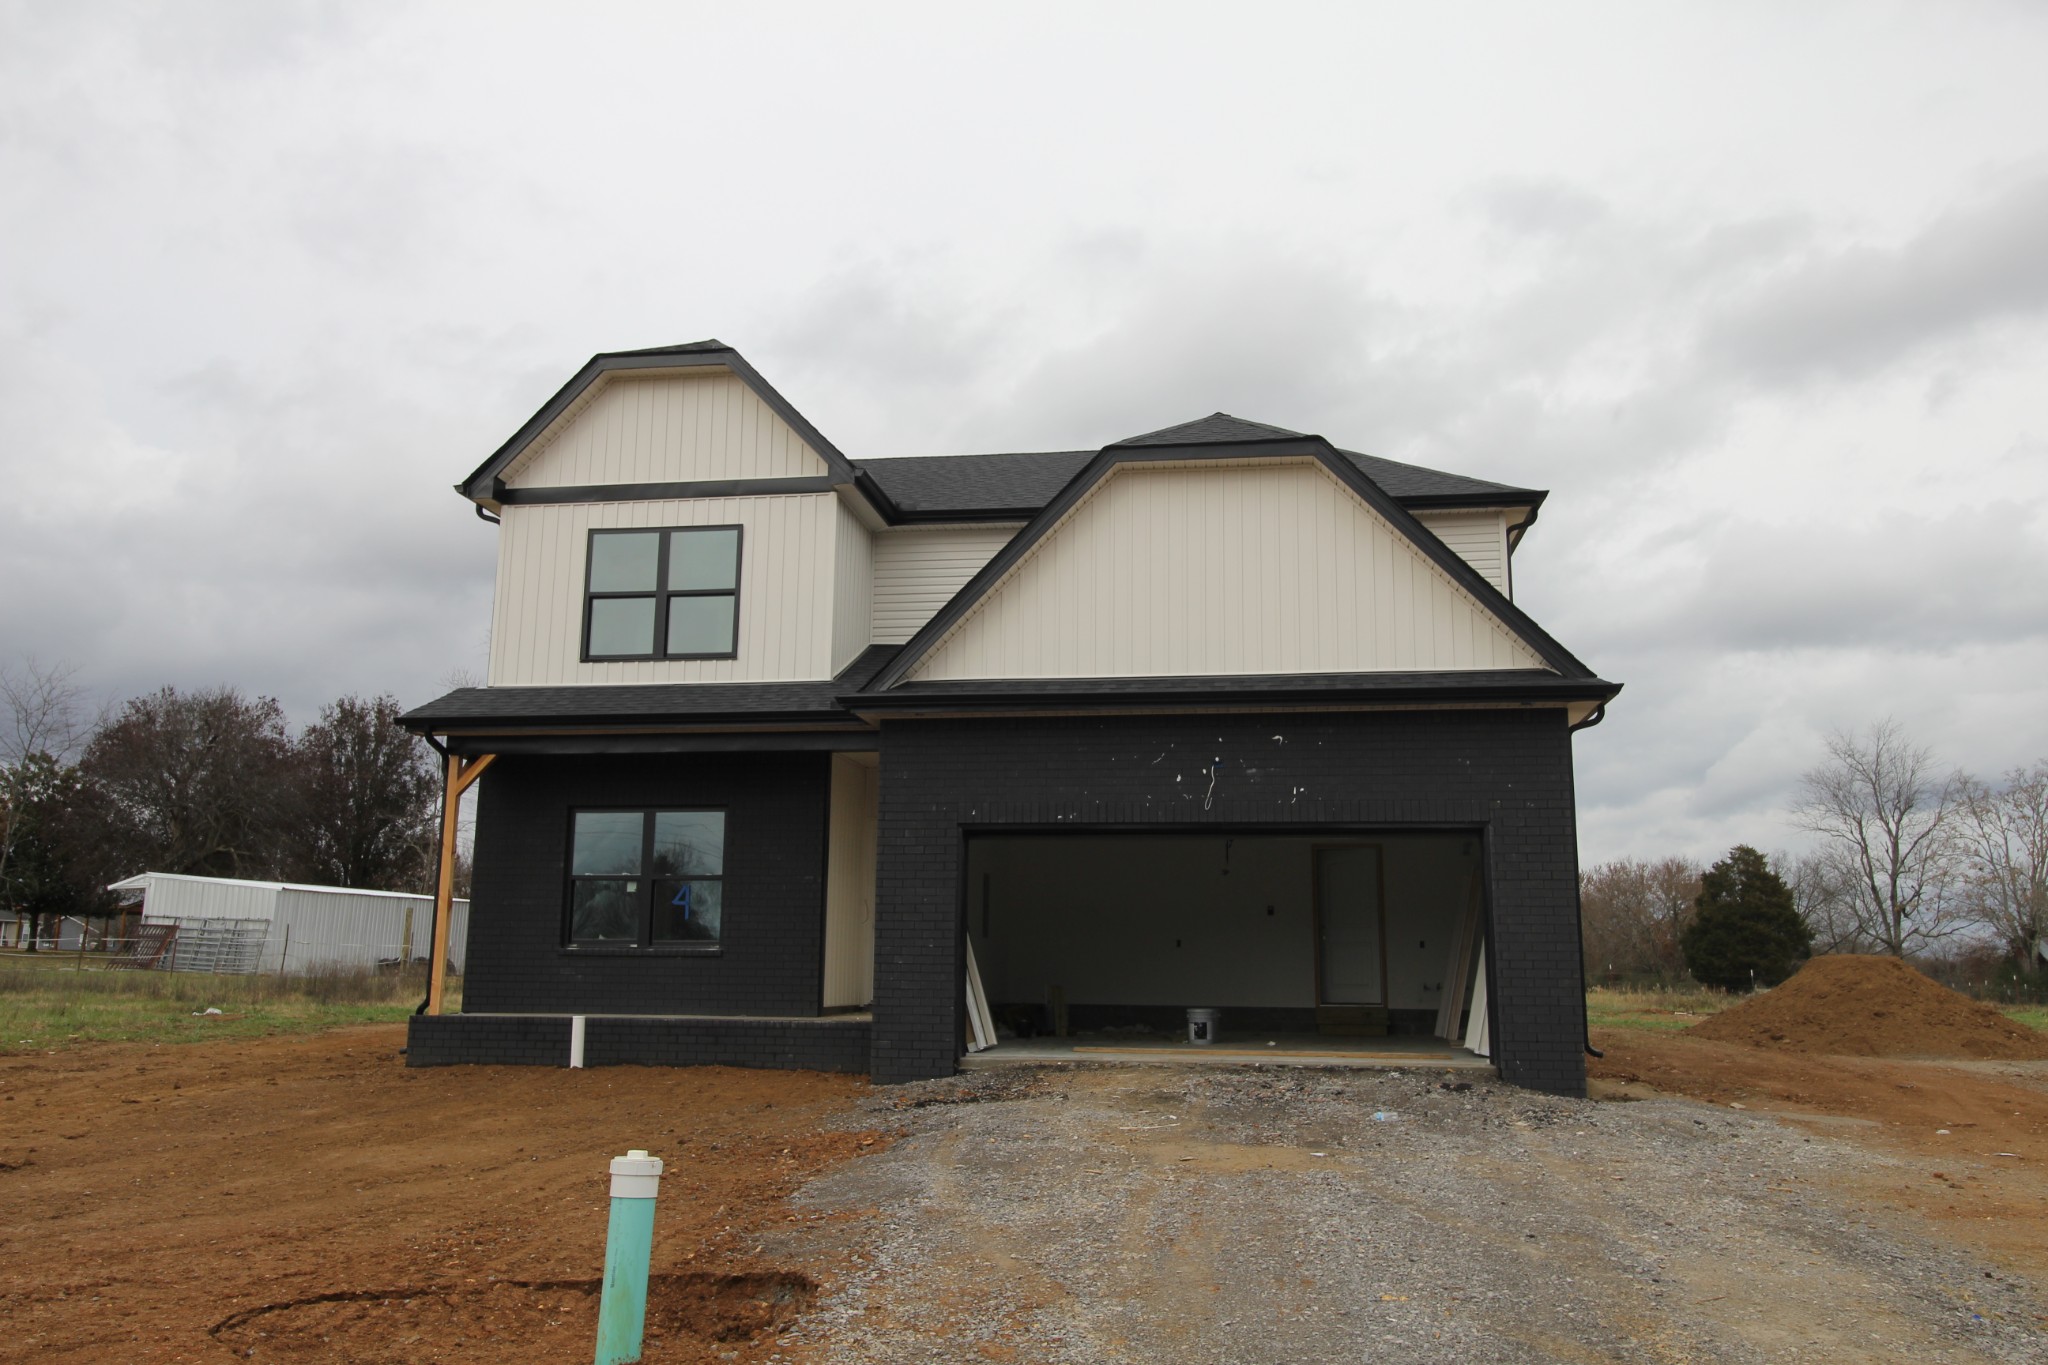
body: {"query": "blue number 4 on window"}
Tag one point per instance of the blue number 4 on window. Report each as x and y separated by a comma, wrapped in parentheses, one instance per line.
(683, 899)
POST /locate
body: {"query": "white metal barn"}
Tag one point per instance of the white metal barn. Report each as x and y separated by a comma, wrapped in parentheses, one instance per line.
(279, 926)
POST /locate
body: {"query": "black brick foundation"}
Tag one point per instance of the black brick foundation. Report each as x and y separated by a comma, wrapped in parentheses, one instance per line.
(825, 1044)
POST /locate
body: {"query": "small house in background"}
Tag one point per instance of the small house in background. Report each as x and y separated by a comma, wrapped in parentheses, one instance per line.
(222, 925)
(65, 933)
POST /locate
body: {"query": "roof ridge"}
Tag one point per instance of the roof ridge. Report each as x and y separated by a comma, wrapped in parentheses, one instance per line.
(1218, 428)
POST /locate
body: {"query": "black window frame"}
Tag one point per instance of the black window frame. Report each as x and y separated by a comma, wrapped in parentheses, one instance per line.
(661, 593)
(645, 942)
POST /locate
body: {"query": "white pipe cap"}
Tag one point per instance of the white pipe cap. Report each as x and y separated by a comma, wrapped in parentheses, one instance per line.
(636, 1175)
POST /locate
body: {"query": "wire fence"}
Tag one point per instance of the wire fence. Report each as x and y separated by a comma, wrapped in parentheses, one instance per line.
(228, 947)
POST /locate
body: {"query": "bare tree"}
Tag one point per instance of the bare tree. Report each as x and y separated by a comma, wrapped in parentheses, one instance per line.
(1886, 824)
(42, 724)
(45, 712)
(1819, 894)
(2003, 833)
(196, 782)
(369, 800)
(1634, 913)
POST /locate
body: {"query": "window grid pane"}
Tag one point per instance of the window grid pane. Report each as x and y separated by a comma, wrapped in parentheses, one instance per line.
(621, 625)
(605, 909)
(700, 625)
(704, 561)
(688, 911)
(689, 843)
(607, 842)
(625, 561)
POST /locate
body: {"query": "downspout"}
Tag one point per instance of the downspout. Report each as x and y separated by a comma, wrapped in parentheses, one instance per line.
(1585, 1027)
(482, 515)
(433, 947)
(1521, 528)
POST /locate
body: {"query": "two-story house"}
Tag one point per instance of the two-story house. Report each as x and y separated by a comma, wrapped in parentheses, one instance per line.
(780, 749)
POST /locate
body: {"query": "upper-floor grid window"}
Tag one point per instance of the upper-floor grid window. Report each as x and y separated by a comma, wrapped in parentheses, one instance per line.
(670, 594)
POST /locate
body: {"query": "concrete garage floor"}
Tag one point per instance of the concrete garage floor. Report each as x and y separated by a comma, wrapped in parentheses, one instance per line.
(1082, 1213)
(1231, 1049)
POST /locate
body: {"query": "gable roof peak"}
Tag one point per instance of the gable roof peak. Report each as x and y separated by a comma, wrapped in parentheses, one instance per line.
(680, 348)
(1218, 428)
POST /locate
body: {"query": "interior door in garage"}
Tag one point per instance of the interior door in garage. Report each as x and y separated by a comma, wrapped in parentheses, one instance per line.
(1350, 946)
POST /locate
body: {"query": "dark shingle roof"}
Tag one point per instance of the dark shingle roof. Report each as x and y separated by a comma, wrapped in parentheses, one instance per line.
(651, 703)
(1218, 428)
(1413, 483)
(681, 348)
(1020, 483)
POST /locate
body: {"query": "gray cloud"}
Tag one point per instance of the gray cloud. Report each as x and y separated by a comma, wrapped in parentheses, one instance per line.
(1846, 311)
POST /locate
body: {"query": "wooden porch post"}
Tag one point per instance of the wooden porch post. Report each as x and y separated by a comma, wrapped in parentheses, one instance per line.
(461, 776)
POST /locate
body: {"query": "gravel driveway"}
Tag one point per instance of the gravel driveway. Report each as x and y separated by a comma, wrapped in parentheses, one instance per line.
(1283, 1215)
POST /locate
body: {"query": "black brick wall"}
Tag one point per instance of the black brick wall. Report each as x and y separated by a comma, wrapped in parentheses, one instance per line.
(771, 958)
(1505, 773)
(543, 1040)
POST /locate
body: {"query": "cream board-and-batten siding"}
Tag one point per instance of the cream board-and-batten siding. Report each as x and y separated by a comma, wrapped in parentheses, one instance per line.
(919, 569)
(1219, 568)
(665, 428)
(850, 882)
(1478, 537)
(853, 588)
(787, 567)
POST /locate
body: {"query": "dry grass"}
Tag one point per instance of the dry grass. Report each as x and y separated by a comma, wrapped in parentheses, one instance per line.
(51, 1001)
(1656, 1010)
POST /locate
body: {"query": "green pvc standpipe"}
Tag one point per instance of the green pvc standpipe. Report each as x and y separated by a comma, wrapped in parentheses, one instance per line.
(628, 1242)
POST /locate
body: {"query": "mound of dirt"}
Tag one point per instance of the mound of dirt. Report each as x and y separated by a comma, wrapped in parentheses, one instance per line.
(1871, 1007)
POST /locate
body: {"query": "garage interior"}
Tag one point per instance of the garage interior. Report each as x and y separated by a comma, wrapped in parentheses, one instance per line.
(1310, 941)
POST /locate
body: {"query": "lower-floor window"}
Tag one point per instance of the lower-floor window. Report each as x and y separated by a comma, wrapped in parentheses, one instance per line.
(646, 878)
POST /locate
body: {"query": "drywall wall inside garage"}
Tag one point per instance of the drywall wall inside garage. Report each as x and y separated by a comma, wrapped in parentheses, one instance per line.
(1223, 920)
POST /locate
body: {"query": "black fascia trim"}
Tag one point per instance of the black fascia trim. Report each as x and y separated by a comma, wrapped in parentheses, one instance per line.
(1312, 447)
(1156, 700)
(649, 492)
(1434, 502)
(952, 516)
(674, 742)
(483, 482)
(1279, 829)
(635, 723)
(877, 499)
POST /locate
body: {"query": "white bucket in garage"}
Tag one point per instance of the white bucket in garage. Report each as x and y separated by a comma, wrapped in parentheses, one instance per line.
(1203, 1025)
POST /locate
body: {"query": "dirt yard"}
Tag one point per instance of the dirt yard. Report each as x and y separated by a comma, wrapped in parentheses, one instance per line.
(308, 1199)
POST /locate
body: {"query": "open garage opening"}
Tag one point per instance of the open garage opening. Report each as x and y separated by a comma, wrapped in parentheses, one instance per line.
(1320, 940)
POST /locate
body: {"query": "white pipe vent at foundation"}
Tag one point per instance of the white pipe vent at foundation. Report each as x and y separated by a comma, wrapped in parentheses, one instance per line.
(1204, 1025)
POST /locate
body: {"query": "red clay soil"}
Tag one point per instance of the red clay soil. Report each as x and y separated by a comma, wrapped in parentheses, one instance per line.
(311, 1199)
(1855, 1006)
(1972, 1136)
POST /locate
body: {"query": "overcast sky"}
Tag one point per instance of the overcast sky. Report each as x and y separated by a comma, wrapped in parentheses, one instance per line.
(1760, 292)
